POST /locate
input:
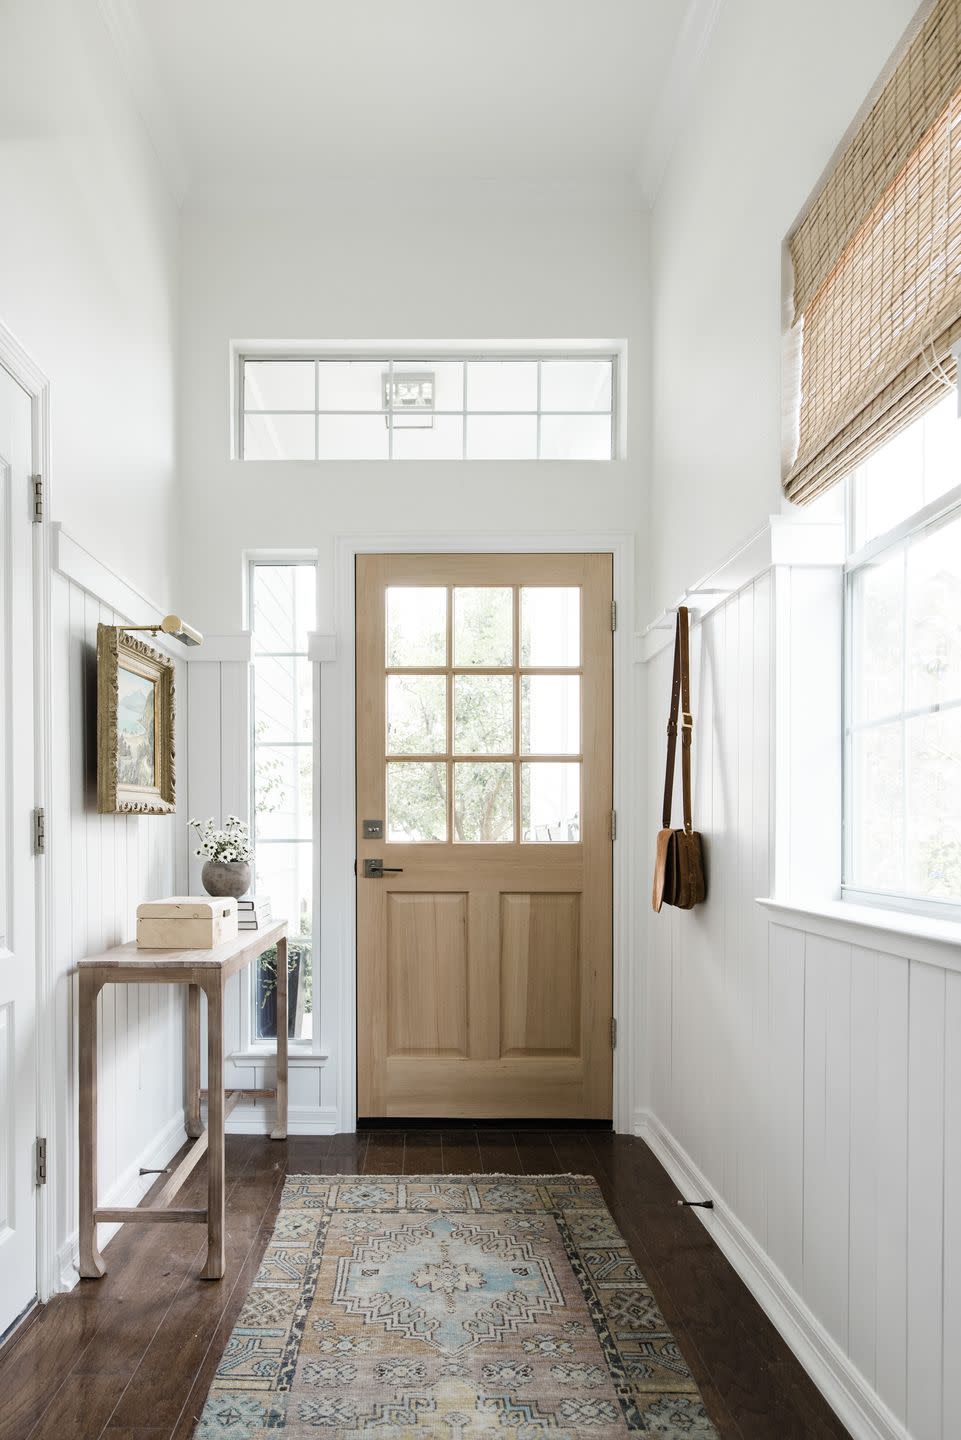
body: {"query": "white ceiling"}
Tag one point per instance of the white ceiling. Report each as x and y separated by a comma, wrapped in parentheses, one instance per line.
(241, 91)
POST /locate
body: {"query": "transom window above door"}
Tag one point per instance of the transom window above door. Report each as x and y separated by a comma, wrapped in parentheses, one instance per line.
(447, 407)
(482, 740)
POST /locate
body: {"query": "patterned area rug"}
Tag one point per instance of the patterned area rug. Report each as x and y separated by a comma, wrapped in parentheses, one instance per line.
(465, 1307)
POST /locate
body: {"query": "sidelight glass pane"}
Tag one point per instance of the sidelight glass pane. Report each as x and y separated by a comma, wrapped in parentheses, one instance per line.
(502, 385)
(284, 877)
(877, 638)
(416, 714)
(416, 625)
(877, 780)
(483, 625)
(550, 802)
(933, 744)
(416, 801)
(283, 790)
(483, 714)
(351, 385)
(551, 714)
(283, 605)
(483, 803)
(279, 385)
(283, 699)
(934, 616)
(576, 384)
(278, 437)
(576, 437)
(550, 625)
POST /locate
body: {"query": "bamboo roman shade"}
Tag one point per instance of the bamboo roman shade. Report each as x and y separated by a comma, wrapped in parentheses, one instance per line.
(877, 267)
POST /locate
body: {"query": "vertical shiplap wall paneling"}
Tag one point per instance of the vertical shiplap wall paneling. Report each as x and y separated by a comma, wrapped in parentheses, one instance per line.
(815, 1083)
(102, 866)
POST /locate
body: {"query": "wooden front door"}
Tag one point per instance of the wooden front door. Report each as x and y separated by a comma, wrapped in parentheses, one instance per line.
(484, 793)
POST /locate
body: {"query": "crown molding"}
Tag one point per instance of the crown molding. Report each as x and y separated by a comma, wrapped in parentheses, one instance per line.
(680, 78)
(139, 69)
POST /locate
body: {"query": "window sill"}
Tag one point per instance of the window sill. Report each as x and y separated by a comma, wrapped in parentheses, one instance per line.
(896, 932)
(264, 1054)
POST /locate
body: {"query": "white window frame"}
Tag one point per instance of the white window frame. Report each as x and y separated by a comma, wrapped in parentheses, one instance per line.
(411, 358)
(939, 511)
(252, 1043)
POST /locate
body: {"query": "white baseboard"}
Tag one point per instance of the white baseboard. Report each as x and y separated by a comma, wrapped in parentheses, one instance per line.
(257, 1118)
(851, 1397)
(128, 1188)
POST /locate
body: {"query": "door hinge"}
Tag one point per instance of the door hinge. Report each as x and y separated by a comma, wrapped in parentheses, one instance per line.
(613, 614)
(613, 1032)
(40, 1177)
(39, 831)
(37, 483)
(613, 824)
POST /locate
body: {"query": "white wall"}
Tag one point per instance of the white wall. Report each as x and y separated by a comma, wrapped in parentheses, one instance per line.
(88, 252)
(777, 92)
(398, 263)
(804, 1071)
(88, 270)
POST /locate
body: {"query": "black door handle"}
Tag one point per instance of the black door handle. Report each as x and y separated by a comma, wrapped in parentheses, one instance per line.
(376, 869)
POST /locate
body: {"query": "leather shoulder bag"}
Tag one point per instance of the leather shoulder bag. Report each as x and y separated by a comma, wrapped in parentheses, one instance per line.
(679, 862)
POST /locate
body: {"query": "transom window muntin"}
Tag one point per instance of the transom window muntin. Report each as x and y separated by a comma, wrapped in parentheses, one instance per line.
(903, 671)
(538, 406)
(482, 739)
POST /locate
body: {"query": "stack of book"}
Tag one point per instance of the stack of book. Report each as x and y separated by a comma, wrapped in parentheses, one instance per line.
(253, 914)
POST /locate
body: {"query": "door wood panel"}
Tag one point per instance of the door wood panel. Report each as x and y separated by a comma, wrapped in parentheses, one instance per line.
(484, 748)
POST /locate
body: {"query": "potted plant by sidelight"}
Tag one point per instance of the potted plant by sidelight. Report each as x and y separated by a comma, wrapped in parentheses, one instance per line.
(267, 990)
(228, 856)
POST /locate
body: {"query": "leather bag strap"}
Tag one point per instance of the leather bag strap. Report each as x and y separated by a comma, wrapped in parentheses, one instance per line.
(680, 709)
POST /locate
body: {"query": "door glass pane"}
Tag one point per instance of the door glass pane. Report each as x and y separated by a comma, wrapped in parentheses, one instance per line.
(878, 785)
(934, 804)
(483, 803)
(278, 437)
(576, 437)
(284, 791)
(877, 640)
(279, 385)
(416, 801)
(283, 699)
(416, 714)
(550, 625)
(416, 625)
(934, 616)
(483, 714)
(483, 625)
(551, 714)
(576, 385)
(502, 385)
(550, 802)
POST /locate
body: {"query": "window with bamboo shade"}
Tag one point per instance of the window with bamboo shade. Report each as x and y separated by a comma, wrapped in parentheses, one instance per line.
(877, 268)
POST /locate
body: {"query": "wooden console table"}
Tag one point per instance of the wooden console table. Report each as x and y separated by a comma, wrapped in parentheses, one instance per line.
(207, 970)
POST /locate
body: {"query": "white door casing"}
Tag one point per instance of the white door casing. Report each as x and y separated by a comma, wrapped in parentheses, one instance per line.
(18, 789)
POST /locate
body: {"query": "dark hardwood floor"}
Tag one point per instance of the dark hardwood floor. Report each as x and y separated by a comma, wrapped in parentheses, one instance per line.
(130, 1357)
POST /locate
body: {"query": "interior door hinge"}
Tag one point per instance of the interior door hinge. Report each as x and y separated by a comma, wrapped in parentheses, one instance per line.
(613, 1032)
(39, 831)
(613, 824)
(613, 614)
(40, 1177)
(37, 483)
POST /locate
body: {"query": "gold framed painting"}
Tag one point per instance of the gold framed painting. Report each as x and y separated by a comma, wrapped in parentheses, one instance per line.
(135, 726)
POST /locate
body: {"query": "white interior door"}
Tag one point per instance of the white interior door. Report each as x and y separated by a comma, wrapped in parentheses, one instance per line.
(18, 1070)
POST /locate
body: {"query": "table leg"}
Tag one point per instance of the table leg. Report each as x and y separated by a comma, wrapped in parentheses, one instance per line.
(214, 1265)
(279, 1131)
(193, 1123)
(91, 1260)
